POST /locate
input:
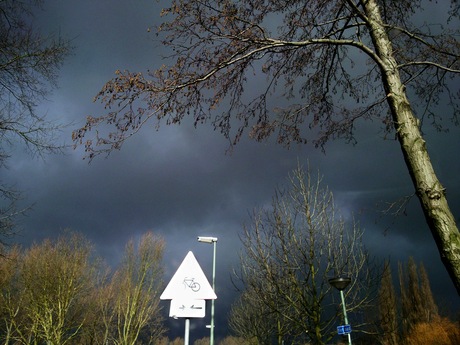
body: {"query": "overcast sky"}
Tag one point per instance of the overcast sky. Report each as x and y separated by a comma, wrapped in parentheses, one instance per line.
(178, 182)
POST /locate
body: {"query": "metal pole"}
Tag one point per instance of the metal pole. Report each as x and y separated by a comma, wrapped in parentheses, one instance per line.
(187, 331)
(211, 339)
(345, 315)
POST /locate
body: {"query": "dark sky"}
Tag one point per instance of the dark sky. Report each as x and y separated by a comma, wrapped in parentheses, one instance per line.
(178, 182)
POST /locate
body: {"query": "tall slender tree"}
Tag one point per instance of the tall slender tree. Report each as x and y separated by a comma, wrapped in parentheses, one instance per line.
(400, 319)
(417, 300)
(138, 284)
(306, 49)
(416, 313)
(388, 316)
(405, 305)
(428, 304)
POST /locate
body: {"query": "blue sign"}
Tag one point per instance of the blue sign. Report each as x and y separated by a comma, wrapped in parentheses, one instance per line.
(345, 329)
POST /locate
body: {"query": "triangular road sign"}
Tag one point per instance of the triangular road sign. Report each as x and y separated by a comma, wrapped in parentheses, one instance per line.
(189, 282)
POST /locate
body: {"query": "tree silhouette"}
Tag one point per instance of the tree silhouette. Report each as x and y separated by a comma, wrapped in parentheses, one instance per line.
(29, 66)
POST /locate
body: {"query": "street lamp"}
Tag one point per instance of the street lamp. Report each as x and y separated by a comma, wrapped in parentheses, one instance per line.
(341, 284)
(212, 240)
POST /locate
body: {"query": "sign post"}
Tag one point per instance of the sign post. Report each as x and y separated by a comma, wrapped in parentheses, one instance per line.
(187, 331)
(188, 291)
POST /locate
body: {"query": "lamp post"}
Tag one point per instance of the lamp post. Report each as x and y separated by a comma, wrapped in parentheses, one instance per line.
(341, 284)
(212, 240)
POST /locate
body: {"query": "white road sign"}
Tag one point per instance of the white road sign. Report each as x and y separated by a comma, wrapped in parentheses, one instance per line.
(187, 308)
(189, 282)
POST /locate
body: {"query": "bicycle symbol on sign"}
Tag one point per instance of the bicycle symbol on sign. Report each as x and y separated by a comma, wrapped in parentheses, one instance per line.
(192, 284)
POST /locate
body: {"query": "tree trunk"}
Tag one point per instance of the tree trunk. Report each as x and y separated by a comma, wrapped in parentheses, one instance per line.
(428, 188)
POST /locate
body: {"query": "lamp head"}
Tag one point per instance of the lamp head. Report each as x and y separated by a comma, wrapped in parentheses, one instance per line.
(207, 239)
(340, 283)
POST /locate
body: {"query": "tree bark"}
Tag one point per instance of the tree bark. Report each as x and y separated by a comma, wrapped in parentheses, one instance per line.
(429, 190)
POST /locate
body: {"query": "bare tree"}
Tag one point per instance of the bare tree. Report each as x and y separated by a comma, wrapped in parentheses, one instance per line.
(12, 296)
(58, 276)
(29, 65)
(99, 316)
(125, 305)
(305, 49)
(251, 320)
(290, 251)
(58, 293)
(28, 72)
(45, 291)
(137, 285)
